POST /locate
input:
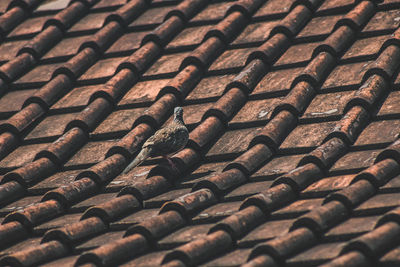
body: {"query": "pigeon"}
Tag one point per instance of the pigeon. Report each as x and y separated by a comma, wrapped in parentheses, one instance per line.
(166, 141)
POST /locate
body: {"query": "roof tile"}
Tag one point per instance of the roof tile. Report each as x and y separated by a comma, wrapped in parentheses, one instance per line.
(230, 171)
(274, 7)
(21, 155)
(256, 32)
(355, 160)
(30, 26)
(335, 5)
(387, 20)
(300, 137)
(214, 11)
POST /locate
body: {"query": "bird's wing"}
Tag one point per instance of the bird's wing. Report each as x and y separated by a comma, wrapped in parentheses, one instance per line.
(164, 141)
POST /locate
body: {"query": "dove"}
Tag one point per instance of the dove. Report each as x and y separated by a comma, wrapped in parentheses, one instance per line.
(165, 142)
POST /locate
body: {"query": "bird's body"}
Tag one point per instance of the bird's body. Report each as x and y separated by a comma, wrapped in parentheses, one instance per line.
(166, 141)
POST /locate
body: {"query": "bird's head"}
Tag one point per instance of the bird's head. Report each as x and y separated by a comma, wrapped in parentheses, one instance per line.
(178, 114)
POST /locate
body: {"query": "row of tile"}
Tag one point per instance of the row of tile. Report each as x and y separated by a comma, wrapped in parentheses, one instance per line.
(312, 166)
(63, 77)
(16, 12)
(39, 103)
(372, 248)
(127, 239)
(87, 120)
(336, 208)
(122, 206)
(107, 161)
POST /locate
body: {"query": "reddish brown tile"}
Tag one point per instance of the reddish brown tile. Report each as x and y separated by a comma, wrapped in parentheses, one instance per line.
(108, 3)
(4, 5)
(149, 259)
(235, 141)
(299, 207)
(59, 222)
(248, 189)
(189, 37)
(215, 155)
(384, 20)
(329, 184)
(231, 59)
(76, 98)
(308, 135)
(297, 54)
(373, 133)
(137, 217)
(90, 22)
(26, 244)
(185, 235)
(379, 204)
(40, 74)
(277, 81)
(9, 50)
(55, 5)
(20, 204)
(353, 227)
(325, 105)
(66, 47)
(16, 97)
(317, 254)
(154, 15)
(335, 5)
(257, 110)
(319, 26)
(209, 87)
(256, 32)
(238, 256)
(101, 240)
(166, 64)
(355, 160)
(274, 7)
(91, 153)
(56, 180)
(120, 120)
(214, 11)
(203, 172)
(30, 26)
(279, 165)
(365, 47)
(21, 155)
(217, 211)
(346, 75)
(390, 105)
(127, 42)
(145, 91)
(52, 126)
(104, 68)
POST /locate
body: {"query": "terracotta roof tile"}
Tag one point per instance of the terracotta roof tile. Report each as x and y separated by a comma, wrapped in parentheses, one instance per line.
(284, 101)
(274, 7)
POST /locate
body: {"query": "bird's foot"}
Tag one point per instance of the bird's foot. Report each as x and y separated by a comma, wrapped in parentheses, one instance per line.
(171, 163)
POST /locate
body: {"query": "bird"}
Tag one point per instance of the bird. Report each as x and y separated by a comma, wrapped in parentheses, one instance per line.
(165, 142)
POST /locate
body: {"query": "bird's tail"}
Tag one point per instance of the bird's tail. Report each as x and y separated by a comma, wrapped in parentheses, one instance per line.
(143, 154)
